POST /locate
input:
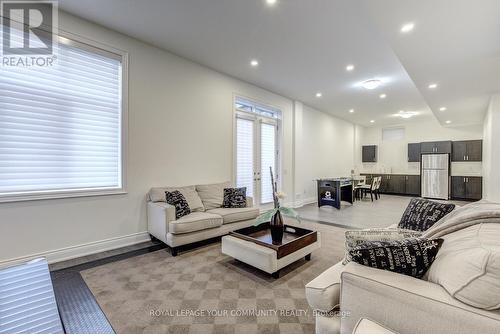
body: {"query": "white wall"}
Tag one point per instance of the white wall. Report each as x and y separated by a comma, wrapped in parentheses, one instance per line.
(324, 148)
(180, 132)
(491, 151)
(393, 154)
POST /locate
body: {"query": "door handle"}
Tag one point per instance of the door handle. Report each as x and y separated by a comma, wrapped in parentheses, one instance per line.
(467, 158)
(464, 179)
(464, 158)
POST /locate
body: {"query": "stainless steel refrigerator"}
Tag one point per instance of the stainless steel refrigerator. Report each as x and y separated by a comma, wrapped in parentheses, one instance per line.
(436, 176)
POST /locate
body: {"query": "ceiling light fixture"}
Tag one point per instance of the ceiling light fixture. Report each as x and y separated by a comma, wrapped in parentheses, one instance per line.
(371, 84)
(349, 67)
(406, 114)
(351, 110)
(407, 27)
(318, 94)
(442, 109)
(382, 96)
(433, 86)
(271, 2)
(448, 122)
(372, 121)
(254, 63)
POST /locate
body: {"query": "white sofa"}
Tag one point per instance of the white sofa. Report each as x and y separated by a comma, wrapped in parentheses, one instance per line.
(417, 306)
(207, 218)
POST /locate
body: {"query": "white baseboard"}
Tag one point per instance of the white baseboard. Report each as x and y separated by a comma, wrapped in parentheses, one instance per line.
(72, 252)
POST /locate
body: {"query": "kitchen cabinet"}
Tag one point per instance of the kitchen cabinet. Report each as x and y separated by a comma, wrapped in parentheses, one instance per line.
(400, 184)
(467, 150)
(369, 153)
(414, 152)
(467, 187)
(436, 147)
(412, 185)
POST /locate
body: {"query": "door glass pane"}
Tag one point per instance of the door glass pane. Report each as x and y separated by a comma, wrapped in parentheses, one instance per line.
(267, 159)
(244, 154)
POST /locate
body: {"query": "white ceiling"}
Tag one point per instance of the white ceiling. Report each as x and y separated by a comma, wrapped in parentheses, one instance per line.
(303, 47)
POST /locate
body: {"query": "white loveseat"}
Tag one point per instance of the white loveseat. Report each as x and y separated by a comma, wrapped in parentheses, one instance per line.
(207, 218)
(460, 293)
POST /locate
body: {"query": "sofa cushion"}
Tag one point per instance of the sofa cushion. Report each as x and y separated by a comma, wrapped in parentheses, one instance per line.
(212, 195)
(422, 213)
(468, 266)
(157, 194)
(177, 200)
(231, 215)
(195, 221)
(366, 326)
(323, 292)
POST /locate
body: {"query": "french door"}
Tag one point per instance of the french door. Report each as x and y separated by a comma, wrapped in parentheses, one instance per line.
(256, 152)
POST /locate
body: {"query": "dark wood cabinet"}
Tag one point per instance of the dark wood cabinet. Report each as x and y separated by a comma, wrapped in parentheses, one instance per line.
(397, 184)
(412, 185)
(414, 152)
(436, 147)
(467, 150)
(369, 153)
(467, 187)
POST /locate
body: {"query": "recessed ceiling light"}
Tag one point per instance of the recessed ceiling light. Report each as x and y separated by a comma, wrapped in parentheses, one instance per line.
(448, 122)
(407, 27)
(433, 85)
(349, 67)
(271, 2)
(406, 114)
(372, 121)
(318, 94)
(442, 109)
(371, 84)
(351, 110)
(254, 62)
(382, 96)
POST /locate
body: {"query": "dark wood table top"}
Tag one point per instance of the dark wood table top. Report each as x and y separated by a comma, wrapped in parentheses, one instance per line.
(294, 238)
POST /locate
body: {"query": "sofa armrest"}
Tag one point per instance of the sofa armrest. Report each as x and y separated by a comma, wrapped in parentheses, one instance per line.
(249, 202)
(160, 214)
(407, 305)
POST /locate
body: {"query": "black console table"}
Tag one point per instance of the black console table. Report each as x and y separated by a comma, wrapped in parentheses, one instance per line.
(333, 191)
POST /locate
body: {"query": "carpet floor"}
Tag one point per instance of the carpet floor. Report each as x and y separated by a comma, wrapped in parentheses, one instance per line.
(205, 291)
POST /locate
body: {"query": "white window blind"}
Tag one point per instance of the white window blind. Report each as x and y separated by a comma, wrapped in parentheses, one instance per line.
(244, 154)
(60, 126)
(268, 159)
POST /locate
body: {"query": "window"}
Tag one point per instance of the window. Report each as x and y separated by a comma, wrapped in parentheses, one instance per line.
(61, 126)
(257, 148)
(393, 133)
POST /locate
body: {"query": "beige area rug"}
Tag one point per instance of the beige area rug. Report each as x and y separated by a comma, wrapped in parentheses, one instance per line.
(204, 291)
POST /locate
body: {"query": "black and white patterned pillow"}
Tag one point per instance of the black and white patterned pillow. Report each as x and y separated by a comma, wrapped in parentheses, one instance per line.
(412, 256)
(422, 213)
(178, 200)
(235, 197)
(355, 238)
